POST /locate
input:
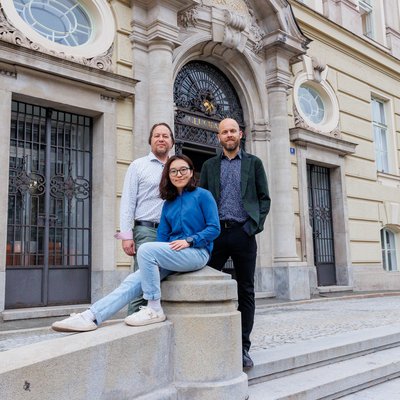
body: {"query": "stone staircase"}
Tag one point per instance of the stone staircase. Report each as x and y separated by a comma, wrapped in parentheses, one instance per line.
(326, 368)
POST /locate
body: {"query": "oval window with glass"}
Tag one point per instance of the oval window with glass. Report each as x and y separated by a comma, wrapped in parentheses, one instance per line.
(311, 104)
(61, 21)
(316, 104)
(80, 28)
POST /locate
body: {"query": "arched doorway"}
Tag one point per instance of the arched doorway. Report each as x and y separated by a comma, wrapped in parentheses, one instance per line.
(203, 96)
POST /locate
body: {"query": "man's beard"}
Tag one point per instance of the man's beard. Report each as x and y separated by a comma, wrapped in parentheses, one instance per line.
(231, 145)
(161, 153)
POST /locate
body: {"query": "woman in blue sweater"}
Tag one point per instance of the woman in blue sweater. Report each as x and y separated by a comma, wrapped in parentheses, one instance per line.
(188, 226)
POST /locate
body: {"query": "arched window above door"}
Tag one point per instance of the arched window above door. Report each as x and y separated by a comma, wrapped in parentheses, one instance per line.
(202, 88)
(203, 96)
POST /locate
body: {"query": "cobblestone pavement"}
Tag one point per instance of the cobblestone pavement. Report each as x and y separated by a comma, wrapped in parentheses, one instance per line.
(277, 325)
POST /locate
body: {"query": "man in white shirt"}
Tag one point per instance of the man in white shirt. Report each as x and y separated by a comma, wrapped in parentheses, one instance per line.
(141, 204)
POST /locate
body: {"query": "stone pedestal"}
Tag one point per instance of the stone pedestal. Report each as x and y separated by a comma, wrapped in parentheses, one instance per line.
(207, 347)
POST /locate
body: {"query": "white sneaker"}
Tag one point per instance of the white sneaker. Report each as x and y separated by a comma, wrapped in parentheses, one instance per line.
(145, 316)
(74, 323)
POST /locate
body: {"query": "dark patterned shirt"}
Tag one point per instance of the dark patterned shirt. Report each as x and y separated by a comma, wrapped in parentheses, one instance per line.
(230, 205)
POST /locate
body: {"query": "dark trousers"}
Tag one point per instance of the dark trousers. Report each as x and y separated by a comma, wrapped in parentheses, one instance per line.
(242, 248)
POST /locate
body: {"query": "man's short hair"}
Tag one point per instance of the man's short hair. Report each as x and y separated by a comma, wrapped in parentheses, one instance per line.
(161, 124)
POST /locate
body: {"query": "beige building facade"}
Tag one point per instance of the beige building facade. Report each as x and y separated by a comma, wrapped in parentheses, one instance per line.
(314, 86)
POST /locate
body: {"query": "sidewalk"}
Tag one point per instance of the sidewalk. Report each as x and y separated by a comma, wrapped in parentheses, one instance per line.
(282, 323)
(277, 322)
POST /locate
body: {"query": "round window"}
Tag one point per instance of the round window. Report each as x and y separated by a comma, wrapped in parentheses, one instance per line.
(316, 104)
(79, 28)
(61, 21)
(311, 104)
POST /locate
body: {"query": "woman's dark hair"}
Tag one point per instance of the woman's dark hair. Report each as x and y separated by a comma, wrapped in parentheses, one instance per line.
(161, 124)
(167, 190)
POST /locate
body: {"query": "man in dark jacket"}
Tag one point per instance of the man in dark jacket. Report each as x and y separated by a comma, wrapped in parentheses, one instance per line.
(239, 185)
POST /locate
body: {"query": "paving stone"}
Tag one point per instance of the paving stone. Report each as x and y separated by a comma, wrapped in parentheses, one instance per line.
(294, 323)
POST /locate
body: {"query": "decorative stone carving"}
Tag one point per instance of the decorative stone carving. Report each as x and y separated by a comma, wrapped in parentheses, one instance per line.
(236, 6)
(8, 70)
(256, 32)
(319, 68)
(299, 122)
(188, 17)
(235, 25)
(107, 98)
(315, 68)
(8, 33)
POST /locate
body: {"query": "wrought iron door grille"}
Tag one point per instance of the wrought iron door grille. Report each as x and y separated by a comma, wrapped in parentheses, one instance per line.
(49, 213)
(203, 97)
(320, 212)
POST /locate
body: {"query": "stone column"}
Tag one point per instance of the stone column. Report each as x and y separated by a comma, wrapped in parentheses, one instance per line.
(104, 278)
(207, 346)
(291, 275)
(5, 117)
(154, 36)
(160, 82)
(264, 281)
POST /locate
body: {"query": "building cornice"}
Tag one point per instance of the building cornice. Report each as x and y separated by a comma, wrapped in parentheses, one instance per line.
(306, 137)
(318, 27)
(20, 58)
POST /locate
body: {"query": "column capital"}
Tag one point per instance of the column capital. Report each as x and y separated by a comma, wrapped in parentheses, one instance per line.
(157, 31)
(156, 19)
(278, 73)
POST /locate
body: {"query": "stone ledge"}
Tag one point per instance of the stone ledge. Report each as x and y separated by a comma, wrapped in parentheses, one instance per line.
(42, 312)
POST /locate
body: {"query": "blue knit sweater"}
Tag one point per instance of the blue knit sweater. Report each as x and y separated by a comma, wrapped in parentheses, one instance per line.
(193, 214)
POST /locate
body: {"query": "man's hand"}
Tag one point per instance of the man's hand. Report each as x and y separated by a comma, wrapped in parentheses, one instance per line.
(129, 247)
(179, 245)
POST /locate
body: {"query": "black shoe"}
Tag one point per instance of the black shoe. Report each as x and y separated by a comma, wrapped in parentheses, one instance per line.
(247, 361)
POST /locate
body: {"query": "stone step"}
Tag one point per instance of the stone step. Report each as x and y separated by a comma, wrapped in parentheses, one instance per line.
(291, 358)
(333, 380)
(334, 289)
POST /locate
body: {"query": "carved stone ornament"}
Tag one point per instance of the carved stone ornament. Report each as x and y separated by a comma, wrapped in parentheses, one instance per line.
(257, 34)
(188, 17)
(236, 6)
(235, 25)
(319, 67)
(299, 122)
(9, 34)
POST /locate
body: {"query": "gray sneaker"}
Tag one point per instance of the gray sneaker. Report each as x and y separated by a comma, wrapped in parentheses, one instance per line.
(145, 316)
(74, 323)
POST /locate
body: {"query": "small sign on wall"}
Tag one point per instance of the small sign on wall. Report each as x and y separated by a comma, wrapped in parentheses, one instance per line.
(292, 151)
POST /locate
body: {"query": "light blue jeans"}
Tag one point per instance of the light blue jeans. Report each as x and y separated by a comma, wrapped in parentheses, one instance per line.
(141, 234)
(156, 261)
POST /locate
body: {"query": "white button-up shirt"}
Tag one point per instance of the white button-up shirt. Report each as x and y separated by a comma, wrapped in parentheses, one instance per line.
(140, 195)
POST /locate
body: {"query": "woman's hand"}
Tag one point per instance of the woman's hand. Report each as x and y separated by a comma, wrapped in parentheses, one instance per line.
(179, 244)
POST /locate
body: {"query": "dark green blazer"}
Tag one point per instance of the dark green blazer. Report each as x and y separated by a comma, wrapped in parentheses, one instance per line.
(254, 188)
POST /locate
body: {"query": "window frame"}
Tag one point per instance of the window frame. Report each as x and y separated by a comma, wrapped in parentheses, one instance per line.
(380, 133)
(387, 124)
(389, 254)
(367, 18)
(102, 38)
(328, 97)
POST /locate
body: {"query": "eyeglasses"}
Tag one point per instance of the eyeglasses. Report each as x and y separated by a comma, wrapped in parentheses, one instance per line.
(182, 171)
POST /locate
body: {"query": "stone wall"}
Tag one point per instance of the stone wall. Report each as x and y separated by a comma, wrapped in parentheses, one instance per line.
(194, 355)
